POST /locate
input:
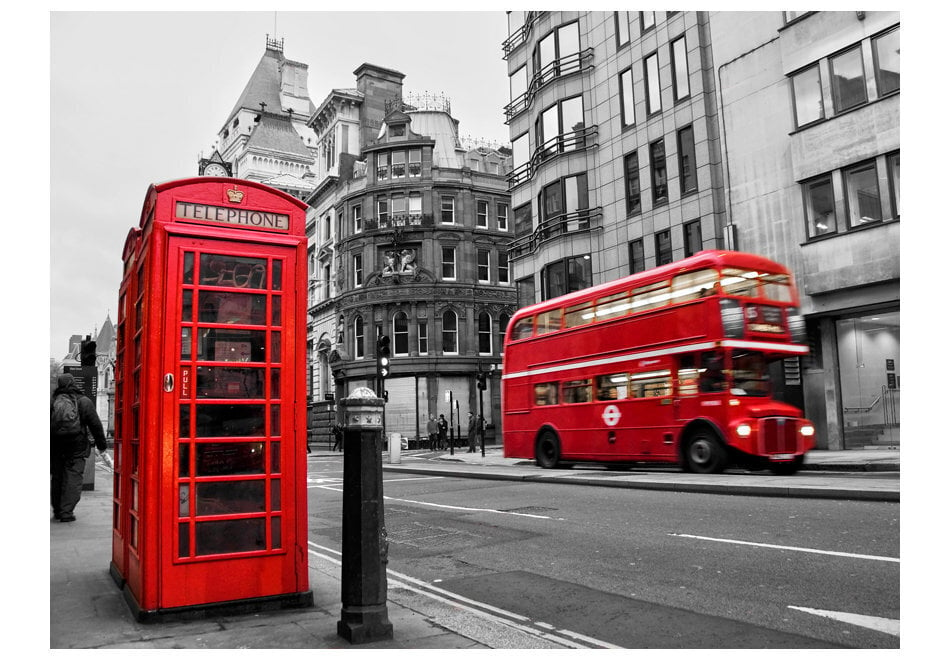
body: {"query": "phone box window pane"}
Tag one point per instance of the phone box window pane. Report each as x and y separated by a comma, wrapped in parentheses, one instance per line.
(217, 459)
(226, 536)
(216, 498)
(230, 383)
(232, 271)
(222, 420)
(232, 307)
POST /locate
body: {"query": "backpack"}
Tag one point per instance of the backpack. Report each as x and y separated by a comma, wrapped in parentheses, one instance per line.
(64, 419)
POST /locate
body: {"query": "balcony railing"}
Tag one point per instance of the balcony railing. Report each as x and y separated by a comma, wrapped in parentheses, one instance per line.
(520, 35)
(560, 225)
(399, 220)
(564, 66)
(576, 140)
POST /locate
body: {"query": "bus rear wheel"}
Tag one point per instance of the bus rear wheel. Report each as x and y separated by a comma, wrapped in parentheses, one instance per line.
(547, 451)
(704, 454)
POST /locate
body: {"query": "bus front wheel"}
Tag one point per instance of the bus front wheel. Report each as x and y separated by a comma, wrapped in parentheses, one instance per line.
(705, 454)
(547, 451)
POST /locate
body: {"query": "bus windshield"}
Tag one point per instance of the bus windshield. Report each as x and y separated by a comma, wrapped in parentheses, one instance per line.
(749, 375)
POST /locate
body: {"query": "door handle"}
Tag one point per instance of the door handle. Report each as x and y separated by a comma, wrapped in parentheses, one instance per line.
(169, 382)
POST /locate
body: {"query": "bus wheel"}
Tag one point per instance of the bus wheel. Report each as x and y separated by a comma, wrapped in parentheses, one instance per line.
(705, 454)
(788, 468)
(547, 452)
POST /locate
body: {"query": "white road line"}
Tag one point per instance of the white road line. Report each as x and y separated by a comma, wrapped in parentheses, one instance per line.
(496, 614)
(889, 626)
(386, 481)
(789, 547)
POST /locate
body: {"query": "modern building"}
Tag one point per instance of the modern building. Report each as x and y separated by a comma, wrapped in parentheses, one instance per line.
(639, 138)
(410, 231)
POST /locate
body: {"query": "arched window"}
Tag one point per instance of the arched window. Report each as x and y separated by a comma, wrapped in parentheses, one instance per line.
(401, 334)
(450, 332)
(358, 337)
(484, 333)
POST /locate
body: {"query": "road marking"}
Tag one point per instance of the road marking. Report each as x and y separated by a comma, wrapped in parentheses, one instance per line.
(889, 626)
(386, 481)
(466, 508)
(789, 547)
(520, 622)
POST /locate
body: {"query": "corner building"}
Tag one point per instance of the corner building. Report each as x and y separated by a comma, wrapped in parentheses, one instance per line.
(410, 231)
(642, 137)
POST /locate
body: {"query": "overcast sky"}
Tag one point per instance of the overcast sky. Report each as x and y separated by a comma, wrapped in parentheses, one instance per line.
(137, 97)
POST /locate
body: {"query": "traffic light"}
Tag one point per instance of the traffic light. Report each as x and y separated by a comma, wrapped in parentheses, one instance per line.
(480, 379)
(87, 353)
(382, 356)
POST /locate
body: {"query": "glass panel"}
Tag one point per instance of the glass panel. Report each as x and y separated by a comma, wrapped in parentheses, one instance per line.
(578, 315)
(275, 540)
(523, 328)
(275, 383)
(626, 98)
(399, 164)
(226, 345)
(213, 459)
(275, 347)
(275, 310)
(184, 539)
(188, 276)
(689, 286)
(232, 271)
(577, 391)
(186, 305)
(237, 420)
(184, 421)
(806, 86)
(223, 536)
(738, 282)
(847, 80)
(232, 308)
(275, 495)
(184, 459)
(549, 321)
(216, 498)
(186, 342)
(654, 383)
(680, 69)
(650, 296)
(183, 497)
(275, 457)
(230, 383)
(612, 387)
(652, 72)
(777, 288)
(277, 272)
(613, 306)
(275, 420)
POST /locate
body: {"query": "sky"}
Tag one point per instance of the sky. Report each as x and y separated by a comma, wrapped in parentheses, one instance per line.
(139, 97)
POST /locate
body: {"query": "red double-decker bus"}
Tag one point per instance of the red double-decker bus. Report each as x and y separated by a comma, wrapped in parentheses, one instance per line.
(668, 365)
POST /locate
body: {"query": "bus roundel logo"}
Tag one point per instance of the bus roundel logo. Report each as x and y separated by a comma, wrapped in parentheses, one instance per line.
(611, 415)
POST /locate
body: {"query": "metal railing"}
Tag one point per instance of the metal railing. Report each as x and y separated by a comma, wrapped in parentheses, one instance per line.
(575, 140)
(560, 225)
(566, 65)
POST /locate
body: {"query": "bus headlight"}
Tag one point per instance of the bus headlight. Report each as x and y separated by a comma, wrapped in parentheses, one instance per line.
(808, 430)
(743, 430)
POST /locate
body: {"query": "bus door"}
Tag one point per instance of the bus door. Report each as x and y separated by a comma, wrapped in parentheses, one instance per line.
(701, 387)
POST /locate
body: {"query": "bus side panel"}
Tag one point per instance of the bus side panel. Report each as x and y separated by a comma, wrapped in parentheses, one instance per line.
(518, 440)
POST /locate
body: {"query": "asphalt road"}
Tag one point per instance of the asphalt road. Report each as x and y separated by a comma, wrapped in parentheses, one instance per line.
(599, 567)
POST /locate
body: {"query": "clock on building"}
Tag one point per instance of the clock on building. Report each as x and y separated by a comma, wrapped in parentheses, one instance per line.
(215, 169)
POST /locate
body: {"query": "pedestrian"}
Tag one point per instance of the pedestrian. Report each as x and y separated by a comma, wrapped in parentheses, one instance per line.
(337, 431)
(443, 432)
(432, 428)
(72, 417)
(472, 432)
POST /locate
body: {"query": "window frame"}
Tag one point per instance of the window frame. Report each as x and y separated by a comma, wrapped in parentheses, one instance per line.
(679, 67)
(483, 268)
(481, 217)
(452, 334)
(877, 62)
(622, 18)
(501, 218)
(798, 102)
(836, 94)
(686, 160)
(808, 187)
(657, 165)
(357, 270)
(628, 100)
(664, 253)
(634, 199)
(443, 210)
(356, 217)
(450, 264)
(503, 267)
(852, 193)
(692, 230)
(483, 334)
(651, 83)
(400, 336)
(636, 256)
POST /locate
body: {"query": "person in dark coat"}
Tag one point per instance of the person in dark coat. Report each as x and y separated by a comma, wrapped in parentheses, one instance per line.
(443, 432)
(472, 433)
(69, 451)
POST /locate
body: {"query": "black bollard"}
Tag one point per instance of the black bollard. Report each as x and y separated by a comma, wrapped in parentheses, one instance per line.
(364, 617)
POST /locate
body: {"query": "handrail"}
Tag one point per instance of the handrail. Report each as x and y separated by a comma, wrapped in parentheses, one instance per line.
(573, 63)
(575, 140)
(552, 228)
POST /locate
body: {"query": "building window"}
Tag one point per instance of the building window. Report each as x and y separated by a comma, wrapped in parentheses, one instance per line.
(565, 199)
(793, 15)
(686, 148)
(806, 88)
(680, 69)
(647, 20)
(356, 214)
(887, 61)
(399, 207)
(450, 332)
(481, 213)
(484, 334)
(358, 331)
(518, 85)
(400, 334)
(664, 248)
(627, 116)
(398, 130)
(382, 211)
(382, 166)
(894, 177)
(863, 194)
(566, 275)
(326, 282)
(399, 164)
(651, 75)
(448, 263)
(552, 57)
(484, 267)
(357, 270)
(637, 261)
(448, 210)
(622, 22)
(525, 291)
(502, 267)
(423, 338)
(658, 173)
(503, 320)
(501, 211)
(692, 237)
(631, 172)
(848, 88)
(820, 206)
(523, 222)
(415, 205)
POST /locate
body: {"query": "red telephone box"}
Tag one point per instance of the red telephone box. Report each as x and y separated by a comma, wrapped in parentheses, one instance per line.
(209, 493)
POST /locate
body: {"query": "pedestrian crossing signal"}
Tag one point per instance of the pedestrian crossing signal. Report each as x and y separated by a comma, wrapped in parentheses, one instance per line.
(480, 379)
(382, 356)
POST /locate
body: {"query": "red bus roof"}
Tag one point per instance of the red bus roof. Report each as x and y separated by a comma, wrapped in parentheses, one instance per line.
(704, 259)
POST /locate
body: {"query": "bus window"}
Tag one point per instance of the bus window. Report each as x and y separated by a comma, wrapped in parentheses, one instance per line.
(613, 306)
(612, 387)
(651, 383)
(712, 378)
(688, 375)
(522, 328)
(750, 375)
(738, 282)
(576, 391)
(576, 315)
(777, 288)
(545, 394)
(690, 286)
(549, 321)
(651, 296)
